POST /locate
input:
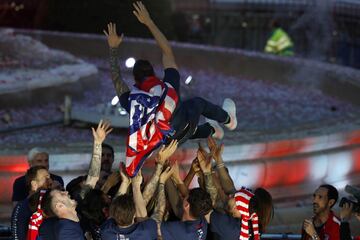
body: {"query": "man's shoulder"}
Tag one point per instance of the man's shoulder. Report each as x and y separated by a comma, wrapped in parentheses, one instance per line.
(184, 225)
(57, 178)
(185, 229)
(19, 180)
(148, 223)
(66, 223)
(334, 220)
(68, 229)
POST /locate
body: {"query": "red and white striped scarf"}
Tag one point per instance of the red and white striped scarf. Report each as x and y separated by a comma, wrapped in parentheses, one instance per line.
(151, 108)
(242, 200)
(35, 220)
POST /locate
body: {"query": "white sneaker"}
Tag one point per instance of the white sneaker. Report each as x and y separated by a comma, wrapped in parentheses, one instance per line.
(219, 131)
(230, 107)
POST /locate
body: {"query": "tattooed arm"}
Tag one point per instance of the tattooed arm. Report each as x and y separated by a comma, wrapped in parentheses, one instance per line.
(152, 185)
(114, 42)
(163, 156)
(161, 200)
(224, 176)
(205, 165)
(99, 135)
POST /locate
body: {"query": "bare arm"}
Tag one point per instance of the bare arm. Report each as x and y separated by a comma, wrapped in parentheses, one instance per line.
(111, 181)
(140, 204)
(114, 42)
(152, 185)
(178, 181)
(205, 165)
(125, 182)
(99, 135)
(225, 179)
(161, 203)
(174, 198)
(167, 54)
(194, 168)
(163, 156)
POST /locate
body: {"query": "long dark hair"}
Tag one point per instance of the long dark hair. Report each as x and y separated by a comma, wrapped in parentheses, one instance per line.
(262, 204)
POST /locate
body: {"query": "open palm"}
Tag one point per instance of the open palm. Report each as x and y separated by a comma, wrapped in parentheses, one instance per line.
(102, 130)
(113, 39)
(141, 13)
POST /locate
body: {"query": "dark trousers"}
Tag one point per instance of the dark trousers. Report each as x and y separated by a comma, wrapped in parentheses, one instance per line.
(189, 112)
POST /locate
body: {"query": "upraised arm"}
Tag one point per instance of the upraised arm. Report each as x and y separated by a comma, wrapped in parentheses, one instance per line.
(225, 179)
(114, 42)
(103, 129)
(161, 201)
(178, 181)
(125, 181)
(144, 17)
(205, 165)
(163, 156)
(140, 204)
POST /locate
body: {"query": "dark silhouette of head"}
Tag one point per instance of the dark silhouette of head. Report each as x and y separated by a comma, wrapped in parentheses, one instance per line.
(275, 23)
(141, 70)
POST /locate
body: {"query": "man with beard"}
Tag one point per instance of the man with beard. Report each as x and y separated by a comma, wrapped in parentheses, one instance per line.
(324, 225)
(37, 178)
(63, 207)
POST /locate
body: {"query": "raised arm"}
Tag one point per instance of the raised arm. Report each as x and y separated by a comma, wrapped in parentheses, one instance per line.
(144, 17)
(194, 169)
(163, 156)
(125, 182)
(140, 204)
(103, 129)
(161, 200)
(205, 165)
(178, 181)
(114, 42)
(225, 179)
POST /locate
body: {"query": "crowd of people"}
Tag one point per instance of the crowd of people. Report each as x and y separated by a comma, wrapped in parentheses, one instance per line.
(108, 204)
(119, 204)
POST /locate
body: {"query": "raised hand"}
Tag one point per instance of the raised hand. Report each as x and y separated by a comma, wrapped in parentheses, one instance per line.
(165, 175)
(111, 181)
(141, 13)
(216, 150)
(195, 165)
(113, 39)
(137, 180)
(345, 211)
(166, 152)
(102, 130)
(204, 159)
(124, 177)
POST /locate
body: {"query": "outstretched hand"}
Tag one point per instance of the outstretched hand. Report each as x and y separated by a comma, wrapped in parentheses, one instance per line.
(204, 159)
(166, 152)
(102, 130)
(165, 175)
(141, 13)
(124, 177)
(215, 150)
(112, 37)
(137, 180)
